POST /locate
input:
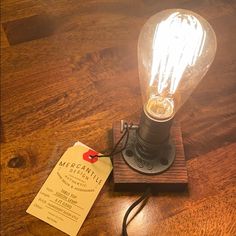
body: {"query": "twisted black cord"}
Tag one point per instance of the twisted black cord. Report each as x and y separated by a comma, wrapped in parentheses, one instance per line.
(114, 152)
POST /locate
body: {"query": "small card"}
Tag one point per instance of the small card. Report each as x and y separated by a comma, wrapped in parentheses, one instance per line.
(70, 190)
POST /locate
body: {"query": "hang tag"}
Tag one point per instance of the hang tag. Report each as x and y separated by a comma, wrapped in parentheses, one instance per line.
(70, 190)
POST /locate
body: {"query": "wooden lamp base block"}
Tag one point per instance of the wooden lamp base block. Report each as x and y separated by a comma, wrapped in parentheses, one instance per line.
(174, 179)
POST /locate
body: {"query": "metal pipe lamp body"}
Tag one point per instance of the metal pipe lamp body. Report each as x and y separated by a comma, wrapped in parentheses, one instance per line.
(149, 149)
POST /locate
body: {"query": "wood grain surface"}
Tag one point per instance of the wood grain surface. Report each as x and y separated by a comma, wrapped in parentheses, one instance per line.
(68, 70)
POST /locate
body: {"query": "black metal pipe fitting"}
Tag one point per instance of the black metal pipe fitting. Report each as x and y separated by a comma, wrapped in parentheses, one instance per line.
(152, 135)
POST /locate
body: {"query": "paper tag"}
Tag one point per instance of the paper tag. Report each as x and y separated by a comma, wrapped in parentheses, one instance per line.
(71, 189)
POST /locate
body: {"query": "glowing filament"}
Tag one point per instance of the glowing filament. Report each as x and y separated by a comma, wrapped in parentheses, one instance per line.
(178, 42)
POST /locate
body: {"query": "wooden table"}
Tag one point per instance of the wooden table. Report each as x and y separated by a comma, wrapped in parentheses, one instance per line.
(69, 69)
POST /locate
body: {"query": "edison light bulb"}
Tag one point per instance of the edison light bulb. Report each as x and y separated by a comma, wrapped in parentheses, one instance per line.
(175, 49)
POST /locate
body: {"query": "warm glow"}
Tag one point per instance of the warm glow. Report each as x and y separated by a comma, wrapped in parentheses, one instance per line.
(175, 50)
(177, 43)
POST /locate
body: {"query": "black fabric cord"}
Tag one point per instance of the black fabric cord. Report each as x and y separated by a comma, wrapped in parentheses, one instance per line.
(143, 199)
(147, 192)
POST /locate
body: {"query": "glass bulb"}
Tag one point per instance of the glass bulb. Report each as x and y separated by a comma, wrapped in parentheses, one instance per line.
(175, 50)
